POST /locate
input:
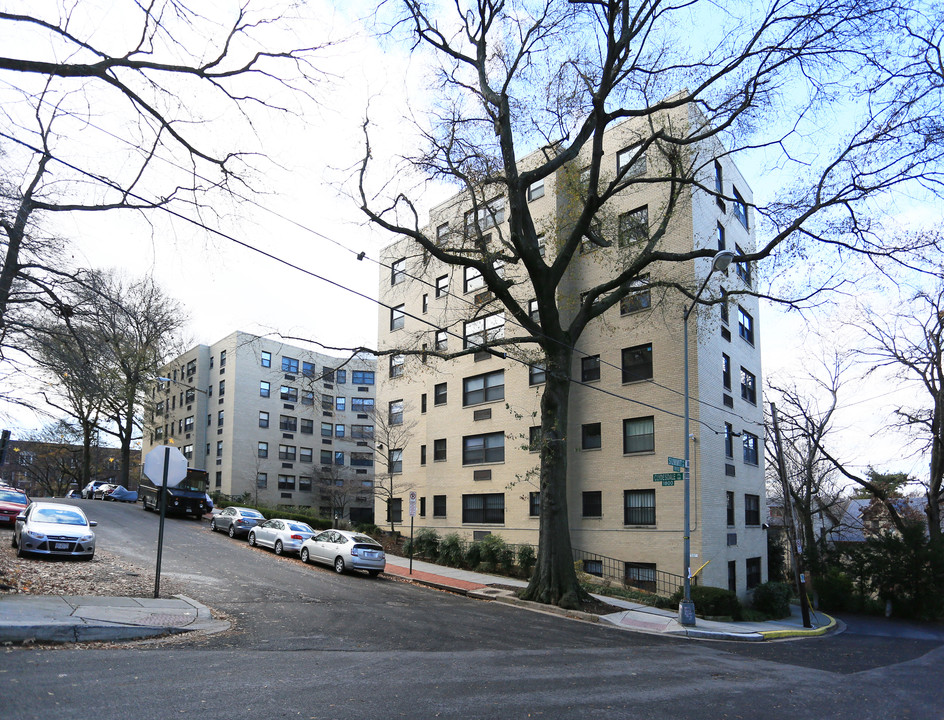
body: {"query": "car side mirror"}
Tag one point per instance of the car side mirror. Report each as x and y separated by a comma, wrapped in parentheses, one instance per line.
(21, 517)
(93, 523)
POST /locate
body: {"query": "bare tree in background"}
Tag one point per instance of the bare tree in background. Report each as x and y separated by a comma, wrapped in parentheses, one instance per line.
(515, 76)
(119, 107)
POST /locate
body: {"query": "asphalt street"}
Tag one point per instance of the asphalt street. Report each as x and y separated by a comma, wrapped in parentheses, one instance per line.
(309, 643)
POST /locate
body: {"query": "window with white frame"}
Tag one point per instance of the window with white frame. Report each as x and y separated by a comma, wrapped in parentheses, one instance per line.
(483, 388)
(396, 461)
(745, 325)
(483, 330)
(472, 279)
(442, 285)
(398, 271)
(442, 339)
(639, 435)
(634, 226)
(395, 415)
(397, 317)
(396, 365)
(536, 190)
(631, 159)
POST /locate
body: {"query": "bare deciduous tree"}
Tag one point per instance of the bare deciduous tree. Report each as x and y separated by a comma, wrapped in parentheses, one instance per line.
(514, 76)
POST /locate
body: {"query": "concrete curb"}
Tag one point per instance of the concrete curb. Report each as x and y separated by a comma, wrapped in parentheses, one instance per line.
(804, 632)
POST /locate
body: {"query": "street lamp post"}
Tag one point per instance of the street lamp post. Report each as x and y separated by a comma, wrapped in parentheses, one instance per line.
(721, 261)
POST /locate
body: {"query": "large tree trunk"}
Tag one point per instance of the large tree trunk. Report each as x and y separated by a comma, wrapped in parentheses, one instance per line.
(554, 580)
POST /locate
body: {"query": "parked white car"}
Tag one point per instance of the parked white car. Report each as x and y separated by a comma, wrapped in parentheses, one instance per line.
(281, 535)
(54, 529)
(344, 549)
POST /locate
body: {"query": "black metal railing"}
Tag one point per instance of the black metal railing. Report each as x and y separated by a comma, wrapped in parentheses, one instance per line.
(637, 575)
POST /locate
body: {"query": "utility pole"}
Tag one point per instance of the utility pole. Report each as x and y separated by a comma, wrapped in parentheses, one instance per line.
(799, 576)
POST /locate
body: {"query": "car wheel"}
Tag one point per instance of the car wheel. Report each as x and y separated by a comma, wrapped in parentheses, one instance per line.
(304, 555)
(252, 539)
(88, 558)
(339, 565)
(232, 531)
(13, 540)
(20, 552)
(373, 573)
(213, 525)
(278, 547)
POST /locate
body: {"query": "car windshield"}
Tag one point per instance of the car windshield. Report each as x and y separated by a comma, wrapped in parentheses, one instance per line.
(300, 527)
(193, 483)
(251, 514)
(13, 497)
(60, 517)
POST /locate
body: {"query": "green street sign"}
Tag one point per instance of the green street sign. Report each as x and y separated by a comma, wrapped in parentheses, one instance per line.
(668, 482)
(676, 462)
(667, 477)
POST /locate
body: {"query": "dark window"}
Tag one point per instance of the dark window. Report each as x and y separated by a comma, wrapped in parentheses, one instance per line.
(442, 340)
(442, 285)
(534, 504)
(729, 504)
(483, 448)
(396, 461)
(422, 454)
(634, 226)
(724, 307)
(423, 403)
(740, 208)
(637, 300)
(286, 452)
(750, 448)
(534, 438)
(752, 510)
(726, 371)
(262, 480)
(439, 450)
(641, 575)
(439, 506)
(289, 394)
(593, 503)
(396, 365)
(743, 269)
(639, 507)
(395, 510)
(536, 375)
(288, 423)
(308, 426)
(263, 450)
(308, 369)
(397, 317)
(728, 440)
(488, 508)
(591, 436)
(732, 576)
(286, 482)
(439, 394)
(397, 271)
(395, 415)
(483, 388)
(362, 377)
(362, 405)
(722, 242)
(745, 325)
(637, 363)
(590, 368)
(639, 435)
(289, 365)
(753, 574)
(748, 387)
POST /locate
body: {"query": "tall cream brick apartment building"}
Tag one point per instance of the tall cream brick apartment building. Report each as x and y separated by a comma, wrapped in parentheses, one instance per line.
(471, 420)
(289, 426)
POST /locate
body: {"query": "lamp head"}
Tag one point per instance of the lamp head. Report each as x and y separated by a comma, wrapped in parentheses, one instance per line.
(722, 260)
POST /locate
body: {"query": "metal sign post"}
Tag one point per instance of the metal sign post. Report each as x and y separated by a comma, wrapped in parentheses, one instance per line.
(160, 532)
(171, 465)
(412, 515)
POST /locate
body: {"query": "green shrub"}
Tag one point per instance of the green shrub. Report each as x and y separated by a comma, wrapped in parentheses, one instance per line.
(712, 602)
(772, 599)
(526, 559)
(425, 544)
(835, 592)
(496, 554)
(451, 550)
(473, 555)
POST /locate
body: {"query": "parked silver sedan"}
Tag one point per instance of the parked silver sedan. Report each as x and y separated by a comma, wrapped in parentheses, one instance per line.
(280, 535)
(236, 520)
(54, 529)
(345, 549)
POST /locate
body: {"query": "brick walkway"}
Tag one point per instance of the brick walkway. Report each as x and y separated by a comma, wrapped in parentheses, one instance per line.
(433, 579)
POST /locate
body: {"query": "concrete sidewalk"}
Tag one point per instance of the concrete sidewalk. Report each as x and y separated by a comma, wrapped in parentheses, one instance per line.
(60, 618)
(633, 616)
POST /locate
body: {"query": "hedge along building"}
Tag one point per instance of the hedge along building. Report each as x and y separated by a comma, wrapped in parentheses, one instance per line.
(471, 424)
